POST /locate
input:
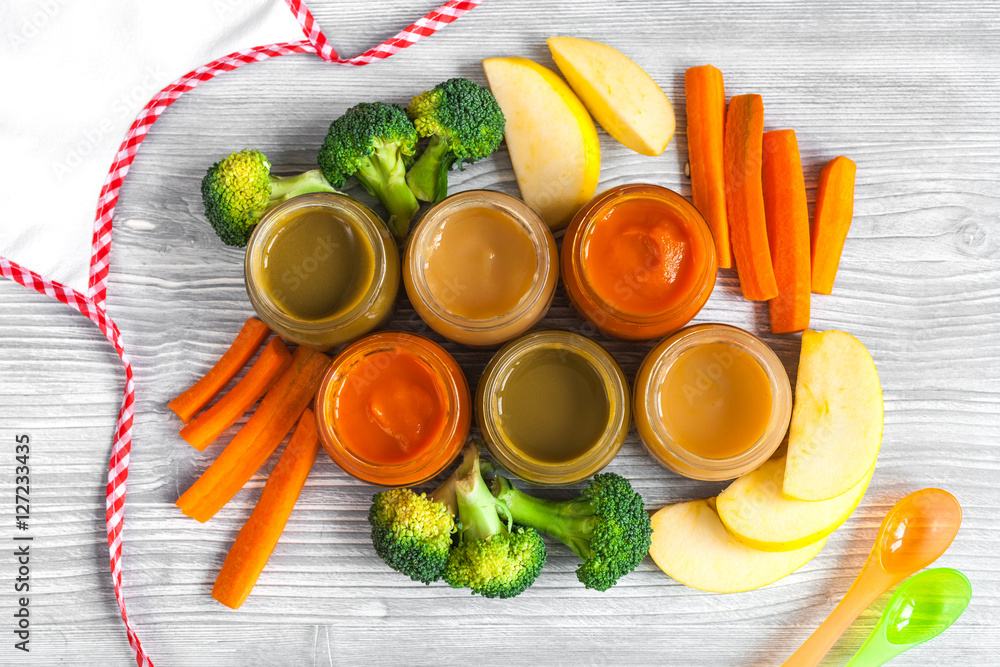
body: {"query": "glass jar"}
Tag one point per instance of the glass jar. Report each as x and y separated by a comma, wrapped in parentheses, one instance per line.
(481, 268)
(553, 407)
(375, 372)
(322, 270)
(664, 440)
(638, 261)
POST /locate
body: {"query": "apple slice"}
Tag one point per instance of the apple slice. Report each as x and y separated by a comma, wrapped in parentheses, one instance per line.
(617, 92)
(552, 141)
(691, 545)
(836, 429)
(754, 512)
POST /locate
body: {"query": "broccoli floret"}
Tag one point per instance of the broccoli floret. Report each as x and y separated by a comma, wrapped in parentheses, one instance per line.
(492, 558)
(465, 124)
(413, 533)
(239, 189)
(607, 526)
(374, 141)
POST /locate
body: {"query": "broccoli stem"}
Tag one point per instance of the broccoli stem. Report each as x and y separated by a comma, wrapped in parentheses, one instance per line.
(286, 187)
(445, 494)
(428, 177)
(477, 508)
(569, 521)
(384, 176)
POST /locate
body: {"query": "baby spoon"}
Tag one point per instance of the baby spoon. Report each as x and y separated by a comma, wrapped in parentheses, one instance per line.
(915, 532)
(924, 606)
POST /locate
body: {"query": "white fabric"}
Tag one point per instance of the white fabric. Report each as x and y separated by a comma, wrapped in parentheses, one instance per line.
(76, 73)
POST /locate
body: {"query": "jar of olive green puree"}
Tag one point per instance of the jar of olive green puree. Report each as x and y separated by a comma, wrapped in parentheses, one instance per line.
(553, 407)
(322, 270)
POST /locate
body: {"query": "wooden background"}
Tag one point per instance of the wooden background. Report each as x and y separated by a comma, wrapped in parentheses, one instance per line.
(908, 90)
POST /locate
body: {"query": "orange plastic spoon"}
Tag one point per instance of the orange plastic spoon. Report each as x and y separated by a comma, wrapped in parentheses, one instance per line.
(914, 534)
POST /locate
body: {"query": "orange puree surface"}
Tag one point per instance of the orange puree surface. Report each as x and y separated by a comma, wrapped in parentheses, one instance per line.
(390, 408)
(480, 263)
(715, 400)
(639, 259)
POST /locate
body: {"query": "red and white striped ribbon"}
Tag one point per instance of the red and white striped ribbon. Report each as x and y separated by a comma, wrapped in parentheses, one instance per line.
(93, 306)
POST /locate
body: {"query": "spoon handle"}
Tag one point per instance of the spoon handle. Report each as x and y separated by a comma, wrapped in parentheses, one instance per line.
(870, 584)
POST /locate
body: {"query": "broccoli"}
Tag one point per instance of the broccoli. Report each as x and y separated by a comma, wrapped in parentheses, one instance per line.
(413, 533)
(465, 124)
(607, 526)
(239, 189)
(374, 141)
(492, 558)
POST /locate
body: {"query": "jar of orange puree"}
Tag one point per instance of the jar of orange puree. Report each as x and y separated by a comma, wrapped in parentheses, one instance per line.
(481, 268)
(638, 261)
(712, 402)
(393, 409)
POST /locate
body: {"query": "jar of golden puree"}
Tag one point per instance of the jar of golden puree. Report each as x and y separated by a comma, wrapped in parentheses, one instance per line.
(481, 268)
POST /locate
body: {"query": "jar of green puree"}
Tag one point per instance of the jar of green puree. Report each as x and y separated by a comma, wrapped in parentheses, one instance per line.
(553, 407)
(322, 270)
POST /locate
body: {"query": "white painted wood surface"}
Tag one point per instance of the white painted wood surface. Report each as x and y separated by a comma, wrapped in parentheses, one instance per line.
(907, 89)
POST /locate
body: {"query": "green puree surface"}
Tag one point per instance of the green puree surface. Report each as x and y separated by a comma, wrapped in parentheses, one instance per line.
(318, 265)
(553, 405)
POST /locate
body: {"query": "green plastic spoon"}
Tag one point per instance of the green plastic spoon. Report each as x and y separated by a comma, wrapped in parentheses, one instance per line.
(923, 607)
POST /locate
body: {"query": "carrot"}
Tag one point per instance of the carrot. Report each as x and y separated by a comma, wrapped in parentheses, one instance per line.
(834, 210)
(247, 342)
(787, 230)
(706, 119)
(260, 436)
(252, 549)
(745, 197)
(201, 432)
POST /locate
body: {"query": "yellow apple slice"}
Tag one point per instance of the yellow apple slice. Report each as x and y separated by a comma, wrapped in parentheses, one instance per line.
(754, 512)
(618, 93)
(836, 428)
(552, 141)
(691, 545)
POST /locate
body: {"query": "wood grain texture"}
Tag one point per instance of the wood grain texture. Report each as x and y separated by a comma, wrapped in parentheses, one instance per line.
(906, 89)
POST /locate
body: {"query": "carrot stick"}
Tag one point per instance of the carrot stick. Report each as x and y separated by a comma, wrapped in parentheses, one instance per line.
(834, 211)
(259, 437)
(252, 549)
(706, 119)
(201, 432)
(787, 230)
(745, 197)
(247, 342)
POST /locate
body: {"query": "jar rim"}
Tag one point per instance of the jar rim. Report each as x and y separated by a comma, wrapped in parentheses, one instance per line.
(436, 457)
(516, 210)
(365, 220)
(585, 222)
(662, 357)
(599, 454)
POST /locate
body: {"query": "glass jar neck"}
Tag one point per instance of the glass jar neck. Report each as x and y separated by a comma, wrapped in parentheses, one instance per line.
(362, 219)
(591, 215)
(517, 211)
(500, 444)
(456, 408)
(664, 357)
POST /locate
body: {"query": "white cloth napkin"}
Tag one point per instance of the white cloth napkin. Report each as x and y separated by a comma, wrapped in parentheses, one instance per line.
(76, 74)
